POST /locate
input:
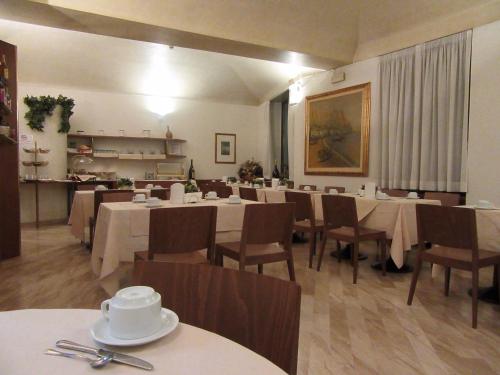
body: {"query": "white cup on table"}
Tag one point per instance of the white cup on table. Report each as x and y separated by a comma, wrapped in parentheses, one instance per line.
(307, 188)
(149, 186)
(133, 312)
(413, 195)
(211, 195)
(140, 197)
(333, 191)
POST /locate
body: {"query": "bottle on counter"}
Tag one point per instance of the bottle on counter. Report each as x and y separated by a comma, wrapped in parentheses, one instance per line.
(191, 172)
(276, 172)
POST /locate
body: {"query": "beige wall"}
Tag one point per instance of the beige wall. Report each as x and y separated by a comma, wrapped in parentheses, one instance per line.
(195, 121)
(357, 73)
(484, 123)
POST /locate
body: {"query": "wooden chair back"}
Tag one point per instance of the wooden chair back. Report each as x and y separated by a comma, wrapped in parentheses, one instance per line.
(313, 187)
(268, 223)
(163, 194)
(303, 205)
(224, 191)
(248, 194)
(447, 199)
(447, 226)
(395, 192)
(177, 230)
(86, 187)
(339, 211)
(340, 189)
(261, 313)
(112, 195)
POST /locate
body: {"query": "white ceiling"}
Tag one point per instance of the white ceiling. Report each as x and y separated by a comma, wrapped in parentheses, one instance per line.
(87, 61)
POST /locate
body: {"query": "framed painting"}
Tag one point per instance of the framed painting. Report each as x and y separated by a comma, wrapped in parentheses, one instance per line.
(225, 148)
(338, 132)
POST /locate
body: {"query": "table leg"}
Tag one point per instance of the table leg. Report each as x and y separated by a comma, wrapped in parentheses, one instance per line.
(345, 253)
(490, 294)
(391, 267)
(37, 212)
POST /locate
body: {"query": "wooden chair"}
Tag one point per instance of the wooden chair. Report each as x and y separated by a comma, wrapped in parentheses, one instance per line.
(261, 313)
(305, 221)
(248, 194)
(340, 189)
(86, 187)
(447, 199)
(180, 234)
(264, 226)
(313, 187)
(163, 194)
(224, 191)
(453, 234)
(341, 223)
(106, 196)
(395, 193)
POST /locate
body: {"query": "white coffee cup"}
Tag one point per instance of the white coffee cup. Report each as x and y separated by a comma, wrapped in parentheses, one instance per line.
(211, 195)
(140, 197)
(333, 191)
(307, 188)
(133, 312)
(484, 204)
(234, 199)
(158, 187)
(361, 192)
(101, 187)
(149, 186)
(413, 195)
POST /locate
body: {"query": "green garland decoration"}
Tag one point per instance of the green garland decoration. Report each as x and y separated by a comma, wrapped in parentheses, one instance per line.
(39, 107)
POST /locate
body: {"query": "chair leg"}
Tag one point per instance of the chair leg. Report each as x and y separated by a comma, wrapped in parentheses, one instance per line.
(447, 274)
(339, 252)
(383, 250)
(475, 287)
(413, 286)
(260, 268)
(312, 248)
(291, 268)
(496, 279)
(321, 251)
(354, 257)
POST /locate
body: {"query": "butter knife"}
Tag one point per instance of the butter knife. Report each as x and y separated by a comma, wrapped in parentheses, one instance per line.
(115, 357)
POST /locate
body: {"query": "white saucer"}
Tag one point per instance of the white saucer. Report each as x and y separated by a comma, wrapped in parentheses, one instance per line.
(485, 208)
(138, 201)
(229, 202)
(100, 331)
(153, 205)
(212, 199)
(384, 199)
(412, 197)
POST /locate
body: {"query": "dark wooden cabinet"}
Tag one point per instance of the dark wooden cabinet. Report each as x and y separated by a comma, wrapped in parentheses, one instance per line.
(10, 233)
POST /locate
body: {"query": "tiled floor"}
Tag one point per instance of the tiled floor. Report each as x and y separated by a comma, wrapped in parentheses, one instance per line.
(345, 329)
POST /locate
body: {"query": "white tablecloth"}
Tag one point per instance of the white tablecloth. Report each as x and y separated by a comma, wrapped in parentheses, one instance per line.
(82, 209)
(123, 228)
(26, 334)
(396, 216)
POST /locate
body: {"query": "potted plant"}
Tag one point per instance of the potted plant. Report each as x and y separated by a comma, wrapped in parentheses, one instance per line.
(258, 183)
(125, 183)
(231, 180)
(191, 193)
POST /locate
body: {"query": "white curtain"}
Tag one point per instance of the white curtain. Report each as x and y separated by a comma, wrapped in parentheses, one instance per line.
(424, 96)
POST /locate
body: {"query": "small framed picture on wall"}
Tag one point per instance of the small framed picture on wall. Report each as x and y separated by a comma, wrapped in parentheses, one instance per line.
(225, 148)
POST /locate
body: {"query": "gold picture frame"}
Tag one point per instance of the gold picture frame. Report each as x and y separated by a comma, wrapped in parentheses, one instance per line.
(337, 132)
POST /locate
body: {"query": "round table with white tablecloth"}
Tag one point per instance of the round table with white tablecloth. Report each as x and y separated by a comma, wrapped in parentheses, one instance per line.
(26, 334)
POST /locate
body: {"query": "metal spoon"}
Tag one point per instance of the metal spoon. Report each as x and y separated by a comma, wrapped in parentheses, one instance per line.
(94, 363)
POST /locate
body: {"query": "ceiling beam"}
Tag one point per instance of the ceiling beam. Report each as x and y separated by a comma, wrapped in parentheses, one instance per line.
(68, 19)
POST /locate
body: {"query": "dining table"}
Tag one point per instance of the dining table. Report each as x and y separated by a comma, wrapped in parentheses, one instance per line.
(122, 228)
(26, 334)
(82, 209)
(396, 216)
